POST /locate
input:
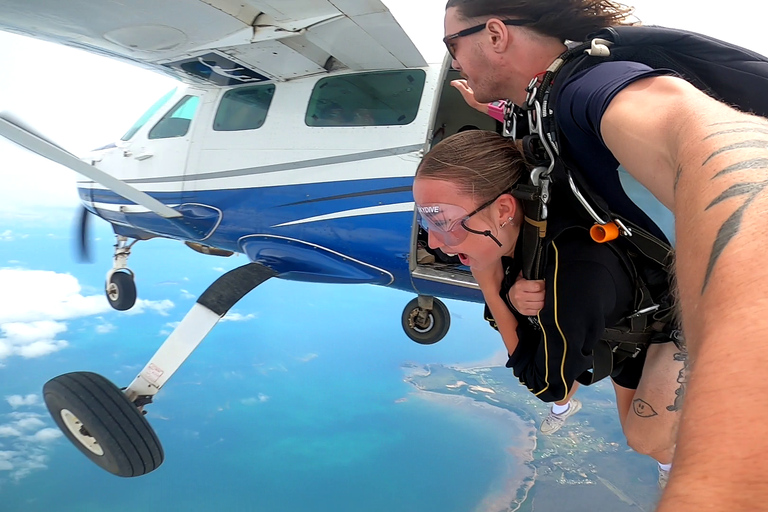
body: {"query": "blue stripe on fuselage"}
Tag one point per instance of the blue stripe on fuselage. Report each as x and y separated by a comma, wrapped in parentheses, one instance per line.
(381, 240)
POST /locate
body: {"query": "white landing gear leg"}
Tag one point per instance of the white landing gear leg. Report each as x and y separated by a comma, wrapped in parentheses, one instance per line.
(107, 424)
(120, 285)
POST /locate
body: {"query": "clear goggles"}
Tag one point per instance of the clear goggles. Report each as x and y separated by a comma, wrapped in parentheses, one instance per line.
(447, 222)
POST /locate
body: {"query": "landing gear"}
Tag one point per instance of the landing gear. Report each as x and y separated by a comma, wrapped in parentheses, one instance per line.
(107, 424)
(103, 424)
(426, 320)
(121, 291)
(120, 287)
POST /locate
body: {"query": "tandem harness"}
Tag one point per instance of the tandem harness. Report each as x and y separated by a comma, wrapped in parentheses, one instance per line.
(731, 74)
(646, 257)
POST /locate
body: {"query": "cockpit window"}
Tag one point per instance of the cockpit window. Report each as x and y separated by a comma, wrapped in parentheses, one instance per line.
(382, 98)
(146, 115)
(244, 108)
(176, 122)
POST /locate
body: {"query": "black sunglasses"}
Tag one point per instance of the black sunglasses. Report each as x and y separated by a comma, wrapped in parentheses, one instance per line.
(473, 30)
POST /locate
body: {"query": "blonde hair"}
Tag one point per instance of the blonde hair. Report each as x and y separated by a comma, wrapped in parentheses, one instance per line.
(481, 164)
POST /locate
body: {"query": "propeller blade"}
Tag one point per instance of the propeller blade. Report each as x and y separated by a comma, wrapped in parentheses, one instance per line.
(27, 138)
(83, 240)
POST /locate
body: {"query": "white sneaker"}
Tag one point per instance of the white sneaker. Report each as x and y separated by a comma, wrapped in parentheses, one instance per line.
(553, 422)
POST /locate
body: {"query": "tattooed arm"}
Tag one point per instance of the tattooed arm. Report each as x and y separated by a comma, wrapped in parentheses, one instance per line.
(709, 164)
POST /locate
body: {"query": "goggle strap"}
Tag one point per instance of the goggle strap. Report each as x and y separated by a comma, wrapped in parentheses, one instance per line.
(484, 233)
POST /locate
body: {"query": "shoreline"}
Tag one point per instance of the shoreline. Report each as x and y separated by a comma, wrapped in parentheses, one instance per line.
(510, 490)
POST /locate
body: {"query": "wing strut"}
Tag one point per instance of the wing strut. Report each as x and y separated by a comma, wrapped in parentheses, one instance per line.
(14, 131)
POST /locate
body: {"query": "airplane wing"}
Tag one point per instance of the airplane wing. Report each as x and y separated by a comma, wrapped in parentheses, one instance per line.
(223, 42)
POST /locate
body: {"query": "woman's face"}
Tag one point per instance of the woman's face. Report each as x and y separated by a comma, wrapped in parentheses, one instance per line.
(446, 207)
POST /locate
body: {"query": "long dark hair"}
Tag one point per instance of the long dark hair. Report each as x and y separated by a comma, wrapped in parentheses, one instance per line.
(563, 19)
(480, 163)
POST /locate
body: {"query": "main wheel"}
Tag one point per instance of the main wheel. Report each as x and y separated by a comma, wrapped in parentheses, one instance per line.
(103, 424)
(427, 328)
(121, 291)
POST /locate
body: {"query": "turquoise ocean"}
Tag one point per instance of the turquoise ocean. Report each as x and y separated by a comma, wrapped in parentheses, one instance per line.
(300, 405)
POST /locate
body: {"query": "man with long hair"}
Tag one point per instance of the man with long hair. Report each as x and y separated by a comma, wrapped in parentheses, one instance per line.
(707, 163)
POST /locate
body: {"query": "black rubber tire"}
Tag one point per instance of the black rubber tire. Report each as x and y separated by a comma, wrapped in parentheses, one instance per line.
(128, 443)
(121, 291)
(439, 322)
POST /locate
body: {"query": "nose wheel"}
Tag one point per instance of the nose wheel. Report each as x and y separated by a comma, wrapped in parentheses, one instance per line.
(121, 291)
(426, 320)
(121, 287)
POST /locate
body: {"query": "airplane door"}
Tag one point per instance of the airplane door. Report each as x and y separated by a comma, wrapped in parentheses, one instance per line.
(155, 158)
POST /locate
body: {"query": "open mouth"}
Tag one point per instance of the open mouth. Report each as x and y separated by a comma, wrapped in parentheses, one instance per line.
(463, 258)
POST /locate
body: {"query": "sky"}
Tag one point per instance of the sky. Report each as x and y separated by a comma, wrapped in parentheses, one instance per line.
(83, 101)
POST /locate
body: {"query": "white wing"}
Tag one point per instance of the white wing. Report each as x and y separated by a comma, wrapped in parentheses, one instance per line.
(205, 40)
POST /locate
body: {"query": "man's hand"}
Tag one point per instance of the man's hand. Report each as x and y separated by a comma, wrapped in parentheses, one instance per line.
(527, 296)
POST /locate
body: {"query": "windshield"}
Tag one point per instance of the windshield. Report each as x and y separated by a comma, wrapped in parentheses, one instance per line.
(149, 113)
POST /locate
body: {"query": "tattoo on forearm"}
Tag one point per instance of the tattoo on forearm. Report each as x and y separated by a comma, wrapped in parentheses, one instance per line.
(643, 408)
(682, 379)
(739, 190)
(738, 130)
(678, 174)
(728, 230)
(755, 163)
(747, 144)
(748, 190)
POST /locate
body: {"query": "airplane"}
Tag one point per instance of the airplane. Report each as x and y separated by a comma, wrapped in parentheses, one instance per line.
(292, 138)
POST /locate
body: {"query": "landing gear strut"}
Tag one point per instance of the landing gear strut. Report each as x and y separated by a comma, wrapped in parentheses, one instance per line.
(426, 320)
(120, 286)
(107, 424)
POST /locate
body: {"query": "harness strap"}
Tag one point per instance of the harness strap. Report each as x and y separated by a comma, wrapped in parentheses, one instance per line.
(540, 224)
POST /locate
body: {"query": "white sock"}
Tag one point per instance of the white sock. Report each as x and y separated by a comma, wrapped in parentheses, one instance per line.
(560, 409)
(665, 467)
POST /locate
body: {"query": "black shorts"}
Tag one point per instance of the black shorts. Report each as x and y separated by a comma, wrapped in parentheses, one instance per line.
(627, 373)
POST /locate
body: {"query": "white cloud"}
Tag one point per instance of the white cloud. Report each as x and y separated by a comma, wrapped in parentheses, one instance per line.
(237, 317)
(253, 400)
(45, 435)
(105, 327)
(160, 307)
(17, 401)
(32, 317)
(45, 295)
(6, 236)
(30, 423)
(26, 438)
(9, 431)
(186, 295)
(33, 339)
(219, 269)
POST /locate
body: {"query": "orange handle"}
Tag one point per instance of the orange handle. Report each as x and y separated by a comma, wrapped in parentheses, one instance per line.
(601, 233)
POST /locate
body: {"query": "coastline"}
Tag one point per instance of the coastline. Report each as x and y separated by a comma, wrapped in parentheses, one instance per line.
(510, 489)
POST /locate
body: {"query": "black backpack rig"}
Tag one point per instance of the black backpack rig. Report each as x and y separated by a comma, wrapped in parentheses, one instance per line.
(726, 72)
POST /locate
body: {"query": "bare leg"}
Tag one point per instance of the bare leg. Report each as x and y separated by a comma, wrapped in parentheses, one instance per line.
(650, 414)
(570, 394)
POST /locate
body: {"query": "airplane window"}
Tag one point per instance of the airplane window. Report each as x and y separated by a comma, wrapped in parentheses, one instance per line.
(146, 115)
(176, 122)
(244, 108)
(381, 98)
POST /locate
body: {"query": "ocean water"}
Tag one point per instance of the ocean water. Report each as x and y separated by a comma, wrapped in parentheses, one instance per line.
(299, 406)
